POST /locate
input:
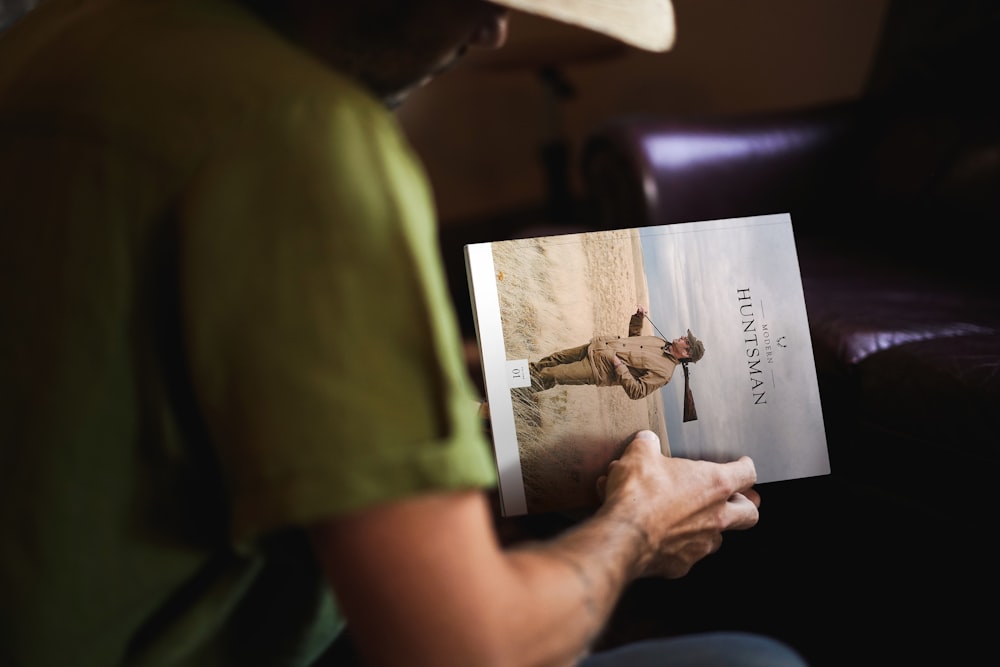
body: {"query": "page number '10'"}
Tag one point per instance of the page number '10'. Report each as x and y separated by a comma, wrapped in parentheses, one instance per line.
(517, 373)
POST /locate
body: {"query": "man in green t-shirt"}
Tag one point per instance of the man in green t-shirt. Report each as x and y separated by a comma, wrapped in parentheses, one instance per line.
(235, 414)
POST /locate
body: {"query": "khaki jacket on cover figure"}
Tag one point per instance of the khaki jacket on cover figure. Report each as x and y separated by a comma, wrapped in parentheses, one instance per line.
(647, 366)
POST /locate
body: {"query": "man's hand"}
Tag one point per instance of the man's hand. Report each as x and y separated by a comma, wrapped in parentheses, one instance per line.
(609, 357)
(641, 310)
(680, 506)
(616, 361)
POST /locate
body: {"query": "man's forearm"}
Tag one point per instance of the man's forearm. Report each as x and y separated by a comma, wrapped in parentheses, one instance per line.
(635, 325)
(586, 568)
(434, 557)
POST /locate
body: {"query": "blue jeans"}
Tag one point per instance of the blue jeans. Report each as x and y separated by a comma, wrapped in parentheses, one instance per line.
(714, 649)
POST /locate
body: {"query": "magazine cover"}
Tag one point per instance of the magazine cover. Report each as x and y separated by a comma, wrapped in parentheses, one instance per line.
(697, 331)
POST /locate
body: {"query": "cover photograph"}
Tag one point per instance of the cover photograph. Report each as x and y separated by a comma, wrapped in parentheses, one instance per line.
(697, 331)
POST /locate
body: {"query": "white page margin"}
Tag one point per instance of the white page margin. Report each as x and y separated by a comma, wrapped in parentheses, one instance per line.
(489, 334)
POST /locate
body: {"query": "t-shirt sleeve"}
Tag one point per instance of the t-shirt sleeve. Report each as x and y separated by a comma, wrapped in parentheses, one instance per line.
(322, 343)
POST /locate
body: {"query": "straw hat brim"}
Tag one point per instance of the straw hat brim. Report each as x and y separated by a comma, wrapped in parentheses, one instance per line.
(645, 24)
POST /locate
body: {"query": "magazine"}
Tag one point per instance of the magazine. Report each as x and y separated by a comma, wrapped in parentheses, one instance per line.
(697, 331)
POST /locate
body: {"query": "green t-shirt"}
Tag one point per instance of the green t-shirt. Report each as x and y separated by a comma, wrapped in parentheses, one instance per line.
(222, 316)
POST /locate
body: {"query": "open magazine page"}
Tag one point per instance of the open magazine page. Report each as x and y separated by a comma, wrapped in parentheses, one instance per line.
(554, 315)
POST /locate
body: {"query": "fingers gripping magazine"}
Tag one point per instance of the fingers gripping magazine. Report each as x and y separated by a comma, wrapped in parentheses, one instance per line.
(697, 331)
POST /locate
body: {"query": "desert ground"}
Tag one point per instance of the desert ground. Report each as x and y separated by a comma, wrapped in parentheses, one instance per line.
(555, 293)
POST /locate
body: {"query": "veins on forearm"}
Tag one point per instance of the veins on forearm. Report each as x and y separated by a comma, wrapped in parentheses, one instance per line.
(599, 578)
(606, 553)
(636, 542)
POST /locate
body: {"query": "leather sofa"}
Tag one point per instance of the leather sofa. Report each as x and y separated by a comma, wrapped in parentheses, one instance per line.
(891, 206)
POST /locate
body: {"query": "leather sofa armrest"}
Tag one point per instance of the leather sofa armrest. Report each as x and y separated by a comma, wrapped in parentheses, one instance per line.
(646, 170)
